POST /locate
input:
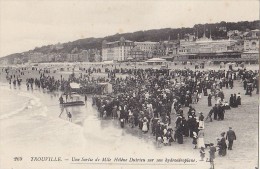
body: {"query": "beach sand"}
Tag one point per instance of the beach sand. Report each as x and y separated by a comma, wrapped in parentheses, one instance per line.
(39, 131)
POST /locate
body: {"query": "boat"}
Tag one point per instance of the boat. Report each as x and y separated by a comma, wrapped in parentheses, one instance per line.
(74, 100)
(73, 103)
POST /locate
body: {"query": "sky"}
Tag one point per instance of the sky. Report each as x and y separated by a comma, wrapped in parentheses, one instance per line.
(26, 24)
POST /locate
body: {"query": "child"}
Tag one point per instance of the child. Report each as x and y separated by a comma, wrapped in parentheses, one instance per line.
(165, 140)
(69, 116)
(105, 114)
(122, 123)
(202, 153)
(195, 136)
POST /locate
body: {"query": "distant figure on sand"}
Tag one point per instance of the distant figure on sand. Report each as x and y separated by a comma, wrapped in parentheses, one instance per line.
(61, 100)
(202, 153)
(69, 116)
(86, 98)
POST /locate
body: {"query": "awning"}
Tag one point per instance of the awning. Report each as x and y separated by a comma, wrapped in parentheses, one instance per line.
(74, 85)
(154, 60)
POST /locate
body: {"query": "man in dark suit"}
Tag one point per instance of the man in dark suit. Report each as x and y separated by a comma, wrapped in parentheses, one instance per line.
(215, 111)
(231, 136)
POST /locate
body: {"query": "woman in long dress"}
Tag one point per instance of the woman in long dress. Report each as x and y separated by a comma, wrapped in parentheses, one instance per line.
(173, 110)
(145, 127)
(201, 121)
(222, 145)
(209, 100)
(201, 142)
(118, 109)
(194, 98)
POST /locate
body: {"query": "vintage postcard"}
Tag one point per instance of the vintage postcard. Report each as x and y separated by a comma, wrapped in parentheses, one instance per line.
(129, 84)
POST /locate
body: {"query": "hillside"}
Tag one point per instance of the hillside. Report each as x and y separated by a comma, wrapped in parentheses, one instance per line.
(218, 31)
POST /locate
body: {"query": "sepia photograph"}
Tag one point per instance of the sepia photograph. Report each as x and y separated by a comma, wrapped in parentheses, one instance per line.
(123, 84)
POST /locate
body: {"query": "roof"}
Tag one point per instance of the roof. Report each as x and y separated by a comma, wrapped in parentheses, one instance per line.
(156, 60)
(167, 57)
(250, 33)
(129, 58)
(251, 52)
(146, 42)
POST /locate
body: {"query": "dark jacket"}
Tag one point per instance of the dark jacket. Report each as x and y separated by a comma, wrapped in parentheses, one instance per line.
(231, 135)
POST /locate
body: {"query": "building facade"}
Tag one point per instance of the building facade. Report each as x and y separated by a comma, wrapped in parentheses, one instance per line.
(117, 51)
(90, 55)
(136, 54)
(251, 42)
(146, 46)
(250, 55)
(205, 45)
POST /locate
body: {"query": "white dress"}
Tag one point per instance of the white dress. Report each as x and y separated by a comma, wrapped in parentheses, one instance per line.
(145, 128)
(201, 139)
(173, 111)
(201, 124)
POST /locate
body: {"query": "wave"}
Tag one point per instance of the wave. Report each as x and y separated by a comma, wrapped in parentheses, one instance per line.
(14, 99)
(12, 113)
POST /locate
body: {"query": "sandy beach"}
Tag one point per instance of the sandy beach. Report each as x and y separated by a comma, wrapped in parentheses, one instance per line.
(38, 127)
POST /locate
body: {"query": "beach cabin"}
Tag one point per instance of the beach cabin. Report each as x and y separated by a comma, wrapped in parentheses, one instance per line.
(106, 88)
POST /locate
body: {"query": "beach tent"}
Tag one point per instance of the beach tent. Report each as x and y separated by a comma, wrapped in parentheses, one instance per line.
(106, 88)
(130, 58)
(75, 85)
(209, 62)
(231, 65)
(158, 61)
(222, 65)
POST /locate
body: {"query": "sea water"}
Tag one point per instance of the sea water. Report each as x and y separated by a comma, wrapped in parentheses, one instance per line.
(32, 124)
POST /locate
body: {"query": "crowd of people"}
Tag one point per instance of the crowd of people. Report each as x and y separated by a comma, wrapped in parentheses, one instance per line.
(153, 101)
(148, 99)
(44, 79)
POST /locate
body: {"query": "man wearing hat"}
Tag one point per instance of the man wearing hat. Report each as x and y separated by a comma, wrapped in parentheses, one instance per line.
(231, 136)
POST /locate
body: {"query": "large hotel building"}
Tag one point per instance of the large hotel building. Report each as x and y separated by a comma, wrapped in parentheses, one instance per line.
(187, 49)
(117, 51)
(204, 48)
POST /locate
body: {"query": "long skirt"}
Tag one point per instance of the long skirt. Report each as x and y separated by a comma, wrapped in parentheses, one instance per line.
(194, 141)
(201, 142)
(118, 113)
(209, 103)
(201, 124)
(180, 138)
(224, 151)
(173, 111)
(144, 128)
